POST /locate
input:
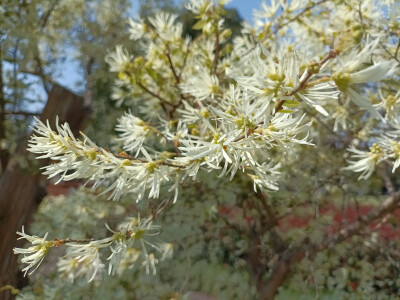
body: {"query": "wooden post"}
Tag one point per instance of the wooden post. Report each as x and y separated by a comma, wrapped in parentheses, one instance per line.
(21, 191)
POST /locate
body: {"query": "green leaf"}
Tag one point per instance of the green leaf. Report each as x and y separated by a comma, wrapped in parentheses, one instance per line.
(291, 103)
(199, 24)
(286, 111)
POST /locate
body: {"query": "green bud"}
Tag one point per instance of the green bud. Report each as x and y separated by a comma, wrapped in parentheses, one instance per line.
(342, 80)
(313, 67)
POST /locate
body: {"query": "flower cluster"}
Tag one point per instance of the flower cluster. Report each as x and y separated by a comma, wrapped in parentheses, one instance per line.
(129, 245)
(121, 173)
(385, 149)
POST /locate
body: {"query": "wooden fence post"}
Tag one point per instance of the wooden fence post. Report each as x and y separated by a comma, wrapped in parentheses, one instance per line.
(21, 191)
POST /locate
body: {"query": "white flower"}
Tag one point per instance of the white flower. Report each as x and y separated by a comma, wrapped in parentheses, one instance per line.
(121, 91)
(150, 262)
(136, 29)
(317, 93)
(151, 109)
(198, 6)
(37, 252)
(84, 257)
(375, 72)
(133, 132)
(266, 176)
(119, 60)
(129, 259)
(283, 128)
(241, 113)
(366, 161)
(164, 25)
(273, 75)
(347, 77)
(167, 250)
(392, 150)
(268, 10)
(340, 115)
(391, 104)
(117, 253)
(67, 267)
(200, 85)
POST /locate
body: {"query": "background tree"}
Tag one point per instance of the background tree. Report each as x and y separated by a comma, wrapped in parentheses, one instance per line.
(338, 91)
(36, 38)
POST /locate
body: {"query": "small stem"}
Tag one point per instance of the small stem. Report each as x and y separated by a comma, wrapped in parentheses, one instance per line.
(177, 79)
(333, 53)
(171, 65)
(318, 81)
(216, 54)
(154, 94)
(163, 101)
(25, 113)
(397, 49)
(289, 20)
(165, 163)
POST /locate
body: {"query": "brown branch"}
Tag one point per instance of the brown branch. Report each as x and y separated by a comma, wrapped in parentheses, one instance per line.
(46, 16)
(382, 171)
(397, 49)
(273, 219)
(187, 54)
(171, 65)
(390, 54)
(124, 155)
(177, 78)
(59, 242)
(186, 57)
(162, 100)
(25, 113)
(333, 53)
(327, 127)
(37, 73)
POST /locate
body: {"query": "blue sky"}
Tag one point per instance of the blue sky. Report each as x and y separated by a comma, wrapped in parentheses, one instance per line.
(71, 75)
(246, 8)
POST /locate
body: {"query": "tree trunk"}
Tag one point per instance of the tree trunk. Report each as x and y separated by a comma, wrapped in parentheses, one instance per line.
(21, 191)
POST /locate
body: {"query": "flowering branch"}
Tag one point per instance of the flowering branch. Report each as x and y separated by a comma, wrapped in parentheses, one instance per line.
(82, 254)
(332, 54)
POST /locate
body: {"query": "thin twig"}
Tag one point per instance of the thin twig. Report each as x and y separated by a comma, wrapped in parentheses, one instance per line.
(154, 94)
(216, 47)
(171, 65)
(397, 49)
(25, 113)
(163, 101)
(124, 155)
(289, 20)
